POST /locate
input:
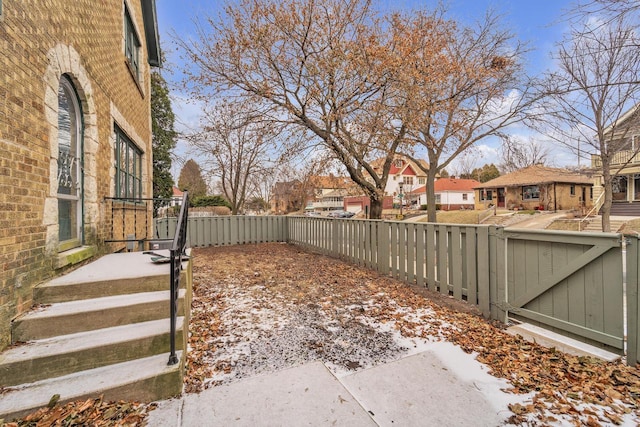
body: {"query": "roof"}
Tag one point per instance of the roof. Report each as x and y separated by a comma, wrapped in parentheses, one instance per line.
(454, 184)
(406, 163)
(537, 174)
(177, 192)
(629, 114)
(329, 182)
(450, 184)
(151, 32)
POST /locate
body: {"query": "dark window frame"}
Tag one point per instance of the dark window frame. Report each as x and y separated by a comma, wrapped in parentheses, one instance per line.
(530, 192)
(128, 171)
(486, 195)
(132, 44)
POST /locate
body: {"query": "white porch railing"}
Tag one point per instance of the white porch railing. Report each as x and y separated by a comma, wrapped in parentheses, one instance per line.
(596, 207)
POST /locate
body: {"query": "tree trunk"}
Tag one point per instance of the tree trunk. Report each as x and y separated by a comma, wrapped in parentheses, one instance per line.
(431, 195)
(375, 209)
(608, 198)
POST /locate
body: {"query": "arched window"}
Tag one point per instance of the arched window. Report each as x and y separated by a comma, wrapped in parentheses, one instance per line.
(69, 166)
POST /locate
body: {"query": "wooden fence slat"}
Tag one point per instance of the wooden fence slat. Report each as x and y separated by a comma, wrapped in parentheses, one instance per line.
(633, 303)
(394, 249)
(420, 255)
(431, 257)
(455, 265)
(472, 249)
(402, 251)
(411, 252)
(443, 259)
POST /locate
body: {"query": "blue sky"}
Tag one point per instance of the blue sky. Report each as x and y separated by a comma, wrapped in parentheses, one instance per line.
(538, 22)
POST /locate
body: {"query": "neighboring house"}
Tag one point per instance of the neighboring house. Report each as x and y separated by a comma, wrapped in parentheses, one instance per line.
(537, 187)
(287, 197)
(363, 204)
(402, 170)
(176, 199)
(626, 186)
(451, 194)
(75, 131)
(328, 192)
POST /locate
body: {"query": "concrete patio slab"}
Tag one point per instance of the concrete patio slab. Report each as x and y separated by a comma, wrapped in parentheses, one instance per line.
(568, 345)
(303, 395)
(420, 390)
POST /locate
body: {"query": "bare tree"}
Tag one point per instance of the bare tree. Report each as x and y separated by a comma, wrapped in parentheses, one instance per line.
(610, 9)
(325, 66)
(516, 155)
(590, 93)
(236, 146)
(479, 90)
(466, 164)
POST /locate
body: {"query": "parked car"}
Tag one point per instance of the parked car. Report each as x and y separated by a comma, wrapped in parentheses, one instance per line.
(313, 213)
(340, 214)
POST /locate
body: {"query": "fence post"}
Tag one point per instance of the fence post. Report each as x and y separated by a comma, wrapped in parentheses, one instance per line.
(633, 318)
(497, 274)
(284, 232)
(383, 248)
(484, 271)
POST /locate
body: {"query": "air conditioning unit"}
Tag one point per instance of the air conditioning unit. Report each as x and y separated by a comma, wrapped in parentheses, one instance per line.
(158, 244)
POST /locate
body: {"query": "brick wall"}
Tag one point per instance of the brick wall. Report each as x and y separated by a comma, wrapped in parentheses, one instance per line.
(39, 41)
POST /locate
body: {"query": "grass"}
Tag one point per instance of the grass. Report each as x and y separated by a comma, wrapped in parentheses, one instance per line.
(633, 225)
(564, 225)
(456, 217)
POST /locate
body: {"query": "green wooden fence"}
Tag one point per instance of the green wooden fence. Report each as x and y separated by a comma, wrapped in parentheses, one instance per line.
(566, 281)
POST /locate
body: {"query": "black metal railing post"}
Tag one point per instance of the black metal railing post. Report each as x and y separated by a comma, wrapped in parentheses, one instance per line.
(176, 253)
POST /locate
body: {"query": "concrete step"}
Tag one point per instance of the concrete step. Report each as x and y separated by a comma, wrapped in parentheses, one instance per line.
(145, 380)
(596, 225)
(65, 354)
(79, 316)
(134, 273)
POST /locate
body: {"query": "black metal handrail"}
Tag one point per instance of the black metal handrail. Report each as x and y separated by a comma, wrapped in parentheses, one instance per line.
(177, 252)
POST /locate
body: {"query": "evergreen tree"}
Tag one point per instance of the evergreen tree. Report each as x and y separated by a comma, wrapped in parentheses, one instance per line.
(191, 180)
(164, 136)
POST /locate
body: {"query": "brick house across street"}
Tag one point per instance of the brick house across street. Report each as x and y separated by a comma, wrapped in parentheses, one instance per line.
(537, 187)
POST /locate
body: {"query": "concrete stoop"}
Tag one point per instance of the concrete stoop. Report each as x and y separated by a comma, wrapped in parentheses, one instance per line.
(100, 330)
(595, 225)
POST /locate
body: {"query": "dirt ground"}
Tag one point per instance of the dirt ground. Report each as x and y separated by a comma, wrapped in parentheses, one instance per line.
(261, 308)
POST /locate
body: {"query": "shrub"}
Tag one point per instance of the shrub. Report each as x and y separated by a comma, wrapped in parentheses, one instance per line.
(203, 201)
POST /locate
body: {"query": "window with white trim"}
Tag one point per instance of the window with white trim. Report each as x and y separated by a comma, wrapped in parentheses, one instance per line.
(128, 159)
(131, 44)
(407, 180)
(465, 196)
(422, 180)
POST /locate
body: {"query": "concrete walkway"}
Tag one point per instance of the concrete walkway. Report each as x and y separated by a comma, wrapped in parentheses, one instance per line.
(418, 390)
(538, 221)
